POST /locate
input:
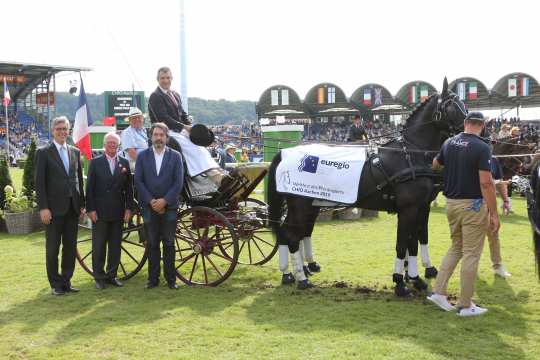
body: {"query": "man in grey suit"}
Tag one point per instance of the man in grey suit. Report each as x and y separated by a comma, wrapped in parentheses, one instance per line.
(60, 198)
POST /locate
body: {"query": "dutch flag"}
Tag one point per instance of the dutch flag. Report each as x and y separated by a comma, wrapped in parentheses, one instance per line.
(81, 133)
(7, 97)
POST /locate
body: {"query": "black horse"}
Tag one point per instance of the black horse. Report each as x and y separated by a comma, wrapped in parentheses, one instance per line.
(398, 178)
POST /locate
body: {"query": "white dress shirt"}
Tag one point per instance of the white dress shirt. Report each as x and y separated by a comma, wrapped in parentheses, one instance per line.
(159, 159)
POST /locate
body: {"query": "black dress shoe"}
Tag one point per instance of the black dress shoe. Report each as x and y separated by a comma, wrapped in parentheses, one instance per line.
(100, 284)
(57, 292)
(115, 282)
(71, 289)
(173, 286)
(151, 285)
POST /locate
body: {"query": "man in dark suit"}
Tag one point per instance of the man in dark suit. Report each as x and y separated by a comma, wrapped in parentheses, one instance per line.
(159, 179)
(165, 104)
(109, 202)
(60, 198)
(357, 131)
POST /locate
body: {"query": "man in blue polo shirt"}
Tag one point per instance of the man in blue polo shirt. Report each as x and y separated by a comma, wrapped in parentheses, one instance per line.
(471, 209)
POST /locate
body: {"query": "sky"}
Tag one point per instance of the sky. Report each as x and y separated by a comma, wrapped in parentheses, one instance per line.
(238, 48)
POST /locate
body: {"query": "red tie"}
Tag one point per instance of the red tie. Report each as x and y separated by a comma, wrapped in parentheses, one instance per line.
(173, 98)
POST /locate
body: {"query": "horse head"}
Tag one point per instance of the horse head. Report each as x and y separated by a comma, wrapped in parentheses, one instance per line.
(450, 111)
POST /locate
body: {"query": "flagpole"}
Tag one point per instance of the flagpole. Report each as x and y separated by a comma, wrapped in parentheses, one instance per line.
(183, 76)
(7, 124)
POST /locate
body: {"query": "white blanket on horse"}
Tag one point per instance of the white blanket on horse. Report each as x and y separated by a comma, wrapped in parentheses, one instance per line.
(321, 172)
(197, 158)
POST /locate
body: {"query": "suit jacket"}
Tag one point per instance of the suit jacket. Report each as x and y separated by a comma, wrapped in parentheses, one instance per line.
(56, 190)
(168, 184)
(357, 133)
(162, 109)
(109, 194)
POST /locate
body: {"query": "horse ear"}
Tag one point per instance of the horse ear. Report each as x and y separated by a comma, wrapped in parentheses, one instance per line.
(445, 87)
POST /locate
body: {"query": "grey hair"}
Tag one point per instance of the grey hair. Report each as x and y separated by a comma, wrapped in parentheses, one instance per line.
(163, 69)
(111, 134)
(60, 120)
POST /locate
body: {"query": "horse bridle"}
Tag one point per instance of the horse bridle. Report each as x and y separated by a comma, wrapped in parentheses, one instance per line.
(442, 104)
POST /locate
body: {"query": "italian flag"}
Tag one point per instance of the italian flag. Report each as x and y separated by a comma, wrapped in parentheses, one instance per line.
(367, 97)
(424, 93)
(473, 91)
(413, 96)
(81, 133)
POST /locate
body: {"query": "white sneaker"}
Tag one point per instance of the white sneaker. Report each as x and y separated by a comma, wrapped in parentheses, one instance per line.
(473, 310)
(501, 271)
(441, 301)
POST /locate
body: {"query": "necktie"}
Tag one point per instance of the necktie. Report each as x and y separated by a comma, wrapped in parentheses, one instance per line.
(64, 156)
(172, 98)
(112, 165)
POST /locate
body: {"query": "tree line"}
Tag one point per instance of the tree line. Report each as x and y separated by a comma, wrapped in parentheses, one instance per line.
(212, 112)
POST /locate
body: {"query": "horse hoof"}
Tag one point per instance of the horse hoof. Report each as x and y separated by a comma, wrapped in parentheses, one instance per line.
(419, 284)
(287, 279)
(304, 284)
(307, 272)
(401, 290)
(314, 267)
(431, 272)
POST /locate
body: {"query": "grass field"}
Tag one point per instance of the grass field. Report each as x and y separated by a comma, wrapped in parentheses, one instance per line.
(351, 314)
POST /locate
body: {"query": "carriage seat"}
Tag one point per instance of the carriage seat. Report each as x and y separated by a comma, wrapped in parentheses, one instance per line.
(199, 187)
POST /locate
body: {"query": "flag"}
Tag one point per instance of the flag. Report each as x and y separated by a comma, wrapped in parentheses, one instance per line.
(473, 91)
(81, 133)
(7, 97)
(524, 87)
(320, 95)
(461, 90)
(412, 95)
(367, 97)
(512, 87)
(109, 121)
(378, 96)
(424, 93)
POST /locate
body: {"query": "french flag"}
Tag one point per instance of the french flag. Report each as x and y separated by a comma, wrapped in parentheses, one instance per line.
(367, 97)
(524, 87)
(81, 133)
(7, 97)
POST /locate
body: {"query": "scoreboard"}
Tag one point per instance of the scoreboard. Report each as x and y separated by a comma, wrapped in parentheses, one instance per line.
(118, 103)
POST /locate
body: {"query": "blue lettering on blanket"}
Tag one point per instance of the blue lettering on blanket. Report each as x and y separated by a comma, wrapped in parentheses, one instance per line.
(321, 172)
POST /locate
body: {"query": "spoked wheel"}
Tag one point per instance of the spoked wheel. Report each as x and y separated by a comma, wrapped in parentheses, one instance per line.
(133, 250)
(256, 242)
(200, 234)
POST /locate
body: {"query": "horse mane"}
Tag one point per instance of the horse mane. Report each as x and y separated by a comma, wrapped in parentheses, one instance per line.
(419, 108)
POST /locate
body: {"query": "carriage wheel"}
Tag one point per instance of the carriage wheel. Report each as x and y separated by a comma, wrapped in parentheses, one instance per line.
(133, 250)
(200, 234)
(257, 245)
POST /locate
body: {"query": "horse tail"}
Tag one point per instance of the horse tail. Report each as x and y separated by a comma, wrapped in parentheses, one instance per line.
(275, 199)
(536, 239)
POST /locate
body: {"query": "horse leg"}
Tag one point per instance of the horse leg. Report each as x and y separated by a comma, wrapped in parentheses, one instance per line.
(294, 229)
(312, 265)
(412, 252)
(406, 221)
(287, 277)
(423, 237)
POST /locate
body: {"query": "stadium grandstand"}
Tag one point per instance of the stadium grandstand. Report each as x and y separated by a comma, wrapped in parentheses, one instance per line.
(32, 89)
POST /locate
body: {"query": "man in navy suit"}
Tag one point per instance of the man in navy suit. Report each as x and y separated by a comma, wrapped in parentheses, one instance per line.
(109, 203)
(159, 178)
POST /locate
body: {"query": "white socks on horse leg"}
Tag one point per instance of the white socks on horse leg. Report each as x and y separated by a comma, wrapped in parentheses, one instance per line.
(398, 267)
(413, 266)
(298, 266)
(424, 255)
(308, 250)
(283, 258)
(301, 249)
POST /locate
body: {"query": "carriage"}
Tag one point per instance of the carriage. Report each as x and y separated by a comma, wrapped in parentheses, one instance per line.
(215, 231)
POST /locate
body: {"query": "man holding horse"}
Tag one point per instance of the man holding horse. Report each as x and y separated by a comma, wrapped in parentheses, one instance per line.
(471, 207)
